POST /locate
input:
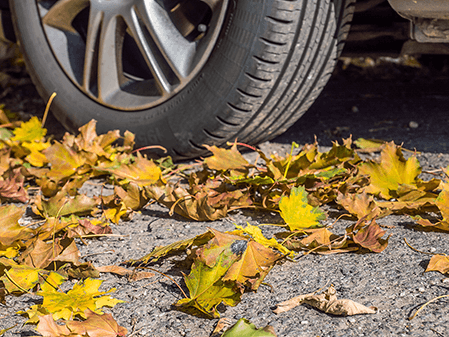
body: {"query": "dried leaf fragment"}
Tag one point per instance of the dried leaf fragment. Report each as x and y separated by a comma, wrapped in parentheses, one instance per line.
(439, 263)
(328, 303)
(133, 275)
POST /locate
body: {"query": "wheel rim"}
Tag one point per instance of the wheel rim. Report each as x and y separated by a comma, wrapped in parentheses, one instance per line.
(131, 54)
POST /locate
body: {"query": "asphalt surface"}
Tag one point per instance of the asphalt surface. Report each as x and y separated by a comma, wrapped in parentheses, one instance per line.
(390, 102)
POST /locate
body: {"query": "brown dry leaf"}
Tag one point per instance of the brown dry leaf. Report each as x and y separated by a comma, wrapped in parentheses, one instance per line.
(12, 188)
(254, 265)
(439, 263)
(360, 205)
(88, 227)
(368, 236)
(89, 142)
(180, 201)
(39, 253)
(133, 275)
(328, 303)
(47, 327)
(97, 326)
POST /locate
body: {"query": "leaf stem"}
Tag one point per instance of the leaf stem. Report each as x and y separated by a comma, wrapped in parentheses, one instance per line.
(416, 250)
(47, 108)
(425, 304)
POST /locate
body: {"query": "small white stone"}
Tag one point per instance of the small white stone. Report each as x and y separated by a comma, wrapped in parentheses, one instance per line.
(413, 125)
(421, 289)
(352, 320)
(432, 249)
(304, 322)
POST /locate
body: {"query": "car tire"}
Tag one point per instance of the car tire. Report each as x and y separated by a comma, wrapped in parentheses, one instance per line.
(269, 61)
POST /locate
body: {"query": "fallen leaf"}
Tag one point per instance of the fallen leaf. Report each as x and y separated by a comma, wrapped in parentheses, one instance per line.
(361, 205)
(142, 171)
(206, 287)
(328, 303)
(296, 211)
(97, 326)
(224, 159)
(29, 131)
(64, 161)
(47, 327)
(243, 328)
(174, 248)
(439, 263)
(368, 236)
(133, 275)
(10, 230)
(63, 205)
(84, 295)
(392, 170)
(12, 188)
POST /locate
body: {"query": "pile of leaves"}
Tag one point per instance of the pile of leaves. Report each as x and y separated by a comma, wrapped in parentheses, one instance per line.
(46, 175)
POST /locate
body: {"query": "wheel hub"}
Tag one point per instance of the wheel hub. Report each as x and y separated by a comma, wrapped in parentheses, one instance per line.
(131, 54)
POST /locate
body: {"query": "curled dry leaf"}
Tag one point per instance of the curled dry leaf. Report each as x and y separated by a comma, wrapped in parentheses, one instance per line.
(47, 327)
(439, 263)
(97, 326)
(368, 236)
(328, 303)
(133, 275)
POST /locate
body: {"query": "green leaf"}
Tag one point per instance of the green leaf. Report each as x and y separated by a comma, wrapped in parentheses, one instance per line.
(297, 213)
(243, 328)
(206, 287)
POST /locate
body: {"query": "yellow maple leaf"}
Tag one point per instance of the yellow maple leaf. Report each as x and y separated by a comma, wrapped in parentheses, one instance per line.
(29, 131)
(36, 157)
(115, 213)
(297, 213)
(392, 171)
(84, 295)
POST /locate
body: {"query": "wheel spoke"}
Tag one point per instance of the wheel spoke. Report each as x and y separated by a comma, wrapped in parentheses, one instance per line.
(109, 59)
(177, 51)
(151, 54)
(61, 15)
(102, 65)
(91, 54)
